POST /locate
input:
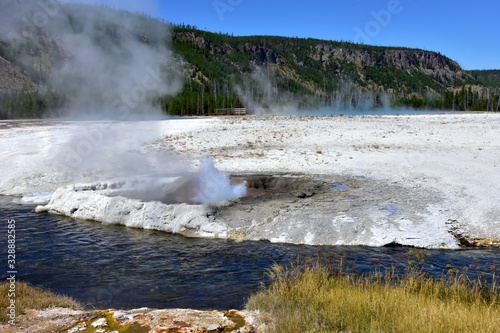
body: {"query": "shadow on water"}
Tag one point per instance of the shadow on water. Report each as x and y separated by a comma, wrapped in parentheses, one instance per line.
(106, 266)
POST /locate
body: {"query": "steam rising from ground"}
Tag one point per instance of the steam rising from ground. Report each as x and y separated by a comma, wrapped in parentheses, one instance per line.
(139, 168)
(208, 185)
(118, 64)
(115, 65)
(260, 94)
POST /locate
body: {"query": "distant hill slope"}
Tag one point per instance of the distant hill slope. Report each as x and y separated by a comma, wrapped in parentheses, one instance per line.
(489, 77)
(309, 72)
(320, 63)
(220, 70)
(13, 81)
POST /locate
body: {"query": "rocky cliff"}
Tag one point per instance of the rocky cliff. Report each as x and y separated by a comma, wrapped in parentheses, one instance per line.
(315, 64)
(13, 81)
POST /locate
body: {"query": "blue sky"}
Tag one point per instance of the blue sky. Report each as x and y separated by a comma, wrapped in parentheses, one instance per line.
(466, 31)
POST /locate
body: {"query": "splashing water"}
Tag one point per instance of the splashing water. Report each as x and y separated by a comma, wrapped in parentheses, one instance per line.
(207, 185)
(214, 185)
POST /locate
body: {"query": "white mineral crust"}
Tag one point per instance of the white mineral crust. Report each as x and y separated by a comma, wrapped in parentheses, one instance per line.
(449, 164)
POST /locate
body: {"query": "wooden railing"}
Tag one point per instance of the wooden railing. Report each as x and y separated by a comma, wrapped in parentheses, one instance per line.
(230, 112)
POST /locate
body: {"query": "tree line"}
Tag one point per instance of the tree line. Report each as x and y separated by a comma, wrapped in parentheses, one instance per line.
(223, 71)
(28, 105)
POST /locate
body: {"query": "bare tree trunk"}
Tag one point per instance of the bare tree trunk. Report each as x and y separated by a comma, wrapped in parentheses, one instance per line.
(466, 95)
(215, 93)
(202, 101)
(226, 93)
(198, 104)
(489, 97)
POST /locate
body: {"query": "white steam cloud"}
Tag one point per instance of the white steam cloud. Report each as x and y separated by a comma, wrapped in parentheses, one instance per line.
(118, 63)
(260, 94)
(115, 65)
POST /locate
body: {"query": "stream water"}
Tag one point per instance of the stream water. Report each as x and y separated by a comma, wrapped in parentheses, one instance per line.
(105, 266)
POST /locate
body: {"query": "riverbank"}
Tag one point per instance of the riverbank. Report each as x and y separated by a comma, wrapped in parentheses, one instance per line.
(322, 297)
(316, 294)
(143, 320)
(26, 308)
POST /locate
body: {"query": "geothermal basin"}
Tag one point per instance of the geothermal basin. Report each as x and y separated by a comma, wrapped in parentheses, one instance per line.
(417, 180)
(287, 208)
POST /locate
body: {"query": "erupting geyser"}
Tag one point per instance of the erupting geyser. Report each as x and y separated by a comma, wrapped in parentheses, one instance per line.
(208, 185)
(214, 186)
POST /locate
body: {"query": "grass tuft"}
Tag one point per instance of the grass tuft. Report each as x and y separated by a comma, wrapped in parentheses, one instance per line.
(30, 297)
(322, 297)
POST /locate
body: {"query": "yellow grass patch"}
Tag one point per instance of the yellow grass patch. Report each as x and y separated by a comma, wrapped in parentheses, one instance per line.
(30, 297)
(315, 299)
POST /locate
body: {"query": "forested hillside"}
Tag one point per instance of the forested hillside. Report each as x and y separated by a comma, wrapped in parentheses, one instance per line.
(489, 77)
(271, 70)
(258, 72)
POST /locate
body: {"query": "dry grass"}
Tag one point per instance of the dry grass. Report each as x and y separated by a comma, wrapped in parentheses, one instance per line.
(319, 299)
(30, 297)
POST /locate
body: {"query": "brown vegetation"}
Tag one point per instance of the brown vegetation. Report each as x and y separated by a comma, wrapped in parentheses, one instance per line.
(323, 298)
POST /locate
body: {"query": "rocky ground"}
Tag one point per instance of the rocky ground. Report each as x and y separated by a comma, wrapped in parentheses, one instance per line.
(137, 321)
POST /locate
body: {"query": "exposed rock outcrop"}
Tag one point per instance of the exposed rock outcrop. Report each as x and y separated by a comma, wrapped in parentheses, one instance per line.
(437, 67)
(47, 320)
(399, 57)
(13, 81)
(299, 210)
(138, 320)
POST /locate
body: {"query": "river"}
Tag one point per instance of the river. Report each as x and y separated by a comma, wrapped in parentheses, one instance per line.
(106, 266)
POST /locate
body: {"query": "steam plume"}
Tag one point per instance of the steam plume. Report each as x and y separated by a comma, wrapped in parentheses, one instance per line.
(114, 64)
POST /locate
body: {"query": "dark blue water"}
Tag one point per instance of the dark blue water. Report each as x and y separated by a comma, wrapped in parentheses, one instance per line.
(106, 266)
